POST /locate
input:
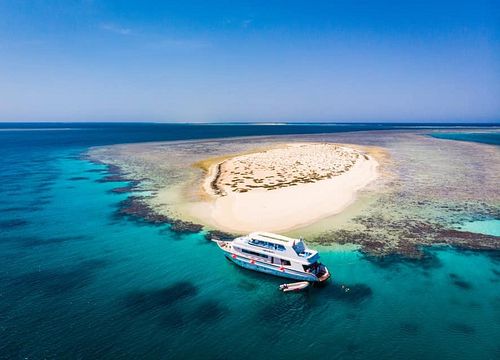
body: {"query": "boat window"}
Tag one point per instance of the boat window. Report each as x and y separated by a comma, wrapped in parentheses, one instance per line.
(253, 253)
(310, 268)
(285, 262)
(305, 254)
(266, 245)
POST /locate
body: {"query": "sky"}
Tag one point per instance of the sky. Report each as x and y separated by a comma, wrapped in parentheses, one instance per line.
(216, 61)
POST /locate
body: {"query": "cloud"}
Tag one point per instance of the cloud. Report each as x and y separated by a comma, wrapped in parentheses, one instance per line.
(116, 29)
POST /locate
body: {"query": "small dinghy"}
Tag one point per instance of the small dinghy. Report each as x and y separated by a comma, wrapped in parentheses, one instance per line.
(298, 286)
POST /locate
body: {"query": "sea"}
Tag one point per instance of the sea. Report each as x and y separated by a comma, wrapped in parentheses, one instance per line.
(80, 281)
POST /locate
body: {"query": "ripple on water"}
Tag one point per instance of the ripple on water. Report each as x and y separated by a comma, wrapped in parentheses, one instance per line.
(409, 328)
(285, 311)
(174, 319)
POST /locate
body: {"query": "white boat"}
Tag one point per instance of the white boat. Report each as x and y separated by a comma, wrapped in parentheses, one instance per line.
(275, 254)
(298, 286)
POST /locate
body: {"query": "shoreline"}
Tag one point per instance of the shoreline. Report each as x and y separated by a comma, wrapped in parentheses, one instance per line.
(396, 214)
(293, 203)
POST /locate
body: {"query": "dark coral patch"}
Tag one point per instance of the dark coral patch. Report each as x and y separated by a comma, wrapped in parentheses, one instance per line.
(136, 208)
(494, 256)
(247, 285)
(112, 178)
(18, 209)
(426, 261)
(55, 281)
(132, 186)
(461, 328)
(409, 328)
(96, 171)
(12, 223)
(122, 189)
(210, 311)
(459, 282)
(145, 301)
(353, 347)
(180, 226)
(409, 235)
(35, 241)
(219, 235)
(462, 284)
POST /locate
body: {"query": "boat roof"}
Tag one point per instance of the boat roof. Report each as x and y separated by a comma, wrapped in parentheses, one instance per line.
(273, 238)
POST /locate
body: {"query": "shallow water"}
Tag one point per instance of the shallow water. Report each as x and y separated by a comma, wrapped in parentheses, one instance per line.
(426, 187)
(76, 280)
(488, 227)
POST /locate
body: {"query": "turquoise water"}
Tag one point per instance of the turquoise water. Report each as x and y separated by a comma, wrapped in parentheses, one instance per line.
(488, 227)
(492, 138)
(79, 281)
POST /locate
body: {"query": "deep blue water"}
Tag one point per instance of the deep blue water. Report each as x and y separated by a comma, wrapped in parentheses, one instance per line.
(492, 138)
(78, 281)
(92, 134)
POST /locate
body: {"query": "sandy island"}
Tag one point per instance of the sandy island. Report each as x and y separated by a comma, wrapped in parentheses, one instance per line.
(283, 188)
(304, 186)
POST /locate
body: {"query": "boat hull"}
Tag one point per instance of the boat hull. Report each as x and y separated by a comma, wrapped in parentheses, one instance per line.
(269, 269)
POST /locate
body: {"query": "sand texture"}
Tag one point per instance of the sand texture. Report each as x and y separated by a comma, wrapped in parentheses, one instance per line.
(284, 188)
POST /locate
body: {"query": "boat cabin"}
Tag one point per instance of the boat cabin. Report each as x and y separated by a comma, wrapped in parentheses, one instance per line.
(278, 250)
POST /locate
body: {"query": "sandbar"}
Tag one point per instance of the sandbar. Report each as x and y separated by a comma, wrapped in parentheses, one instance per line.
(283, 188)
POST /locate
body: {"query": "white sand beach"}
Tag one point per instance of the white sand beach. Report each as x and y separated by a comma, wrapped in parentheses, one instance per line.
(283, 188)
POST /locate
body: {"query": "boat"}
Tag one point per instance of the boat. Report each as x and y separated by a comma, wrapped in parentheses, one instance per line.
(276, 255)
(297, 286)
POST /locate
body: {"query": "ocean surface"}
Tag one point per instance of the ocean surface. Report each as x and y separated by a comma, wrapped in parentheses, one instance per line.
(492, 138)
(79, 281)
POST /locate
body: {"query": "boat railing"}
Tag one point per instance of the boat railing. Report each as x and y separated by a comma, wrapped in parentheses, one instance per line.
(266, 245)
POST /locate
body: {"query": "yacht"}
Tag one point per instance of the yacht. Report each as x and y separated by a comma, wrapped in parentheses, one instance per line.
(276, 255)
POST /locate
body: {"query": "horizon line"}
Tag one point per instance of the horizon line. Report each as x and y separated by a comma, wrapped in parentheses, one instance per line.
(257, 122)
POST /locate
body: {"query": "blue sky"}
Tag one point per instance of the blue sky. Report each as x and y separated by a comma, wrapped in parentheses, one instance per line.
(97, 60)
